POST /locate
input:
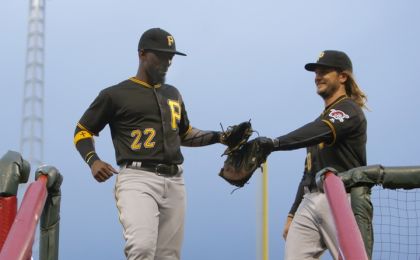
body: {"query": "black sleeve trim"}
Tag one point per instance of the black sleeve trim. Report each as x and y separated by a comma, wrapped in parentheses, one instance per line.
(334, 133)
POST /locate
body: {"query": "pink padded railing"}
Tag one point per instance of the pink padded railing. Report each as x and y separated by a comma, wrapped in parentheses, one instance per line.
(8, 209)
(18, 245)
(349, 237)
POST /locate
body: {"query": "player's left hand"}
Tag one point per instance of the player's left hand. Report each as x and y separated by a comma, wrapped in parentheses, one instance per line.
(102, 171)
(236, 136)
(287, 226)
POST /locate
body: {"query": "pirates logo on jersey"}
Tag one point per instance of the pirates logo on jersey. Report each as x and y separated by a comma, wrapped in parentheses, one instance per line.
(337, 115)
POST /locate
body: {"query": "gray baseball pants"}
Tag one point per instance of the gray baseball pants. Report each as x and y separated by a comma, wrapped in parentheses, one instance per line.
(312, 230)
(151, 211)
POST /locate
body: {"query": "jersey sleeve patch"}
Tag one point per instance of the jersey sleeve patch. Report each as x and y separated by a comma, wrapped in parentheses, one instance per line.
(337, 115)
(346, 117)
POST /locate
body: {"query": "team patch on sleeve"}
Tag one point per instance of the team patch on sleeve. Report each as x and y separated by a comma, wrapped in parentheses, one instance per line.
(337, 115)
(81, 135)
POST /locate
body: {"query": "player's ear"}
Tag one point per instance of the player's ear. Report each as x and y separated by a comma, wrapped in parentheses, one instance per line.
(342, 77)
(141, 53)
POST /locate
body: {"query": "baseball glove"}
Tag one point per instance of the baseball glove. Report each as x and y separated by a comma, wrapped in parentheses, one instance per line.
(241, 164)
(235, 136)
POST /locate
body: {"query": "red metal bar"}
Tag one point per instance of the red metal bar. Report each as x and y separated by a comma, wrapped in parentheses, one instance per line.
(349, 237)
(18, 245)
(8, 209)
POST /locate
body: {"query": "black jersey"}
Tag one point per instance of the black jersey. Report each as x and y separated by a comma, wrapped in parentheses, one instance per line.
(348, 147)
(337, 139)
(146, 122)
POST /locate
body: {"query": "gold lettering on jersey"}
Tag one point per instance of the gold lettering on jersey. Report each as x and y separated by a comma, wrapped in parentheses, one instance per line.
(150, 133)
(170, 40)
(308, 162)
(175, 113)
(136, 145)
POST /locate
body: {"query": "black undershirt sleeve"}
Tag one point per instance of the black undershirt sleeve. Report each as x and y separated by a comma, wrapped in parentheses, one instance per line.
(196, 137)
(85, 146)
(310, 134)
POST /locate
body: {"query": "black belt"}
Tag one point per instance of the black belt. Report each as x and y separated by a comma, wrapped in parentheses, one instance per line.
(167, 170)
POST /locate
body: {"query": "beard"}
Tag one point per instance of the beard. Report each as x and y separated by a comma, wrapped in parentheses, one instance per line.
(329, 91)
(156, 75)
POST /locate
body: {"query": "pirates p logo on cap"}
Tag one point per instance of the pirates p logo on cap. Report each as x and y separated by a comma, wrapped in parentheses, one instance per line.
(321, 55)
(170, 40)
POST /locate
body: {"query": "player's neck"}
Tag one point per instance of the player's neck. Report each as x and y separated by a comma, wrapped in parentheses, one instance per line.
(142, 76)
(331, 99)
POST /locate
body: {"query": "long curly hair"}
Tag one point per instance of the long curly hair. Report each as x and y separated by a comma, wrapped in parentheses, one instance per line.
(353, 90)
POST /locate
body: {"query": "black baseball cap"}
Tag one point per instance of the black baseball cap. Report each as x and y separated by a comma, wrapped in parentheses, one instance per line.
(331, 59)
(158, 40)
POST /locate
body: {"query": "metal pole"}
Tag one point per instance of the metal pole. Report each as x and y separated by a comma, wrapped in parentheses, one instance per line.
(50, 218)
(265, 244)
(13, 170)
(8, 209)
(18, 245)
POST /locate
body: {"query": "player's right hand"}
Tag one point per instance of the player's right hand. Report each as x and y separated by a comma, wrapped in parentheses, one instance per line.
(102, 171)
(287, 226)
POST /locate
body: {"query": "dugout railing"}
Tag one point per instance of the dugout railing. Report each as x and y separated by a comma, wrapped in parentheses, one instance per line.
(359, 183)
(41, 198)
(351, 245)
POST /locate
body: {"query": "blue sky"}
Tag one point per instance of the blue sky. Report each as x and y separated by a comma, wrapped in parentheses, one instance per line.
(245, 61)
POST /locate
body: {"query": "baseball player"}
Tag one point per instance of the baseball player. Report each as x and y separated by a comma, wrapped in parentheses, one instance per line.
(148, 124)
(337, 139)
